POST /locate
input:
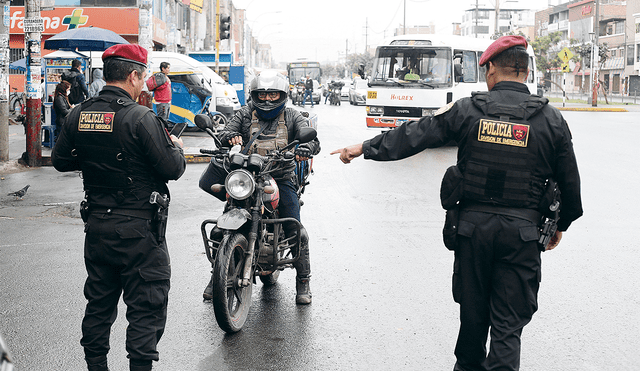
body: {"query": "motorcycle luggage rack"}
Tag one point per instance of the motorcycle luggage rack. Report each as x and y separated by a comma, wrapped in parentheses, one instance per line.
(210, 246)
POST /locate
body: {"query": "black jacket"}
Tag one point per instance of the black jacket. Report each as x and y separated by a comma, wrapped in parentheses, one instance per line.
(149, 150)
(308, 84)
(556, 158)
(241, 123)
(62, 108)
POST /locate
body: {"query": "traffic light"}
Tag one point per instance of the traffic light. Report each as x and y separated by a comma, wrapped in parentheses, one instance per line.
(225, 25)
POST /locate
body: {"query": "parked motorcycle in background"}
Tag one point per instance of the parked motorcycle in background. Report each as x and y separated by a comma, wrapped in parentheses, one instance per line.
(248, 239)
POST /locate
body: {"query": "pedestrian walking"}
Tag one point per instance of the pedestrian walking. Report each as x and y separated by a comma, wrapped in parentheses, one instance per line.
(126, 158)
(160, 84)
(308, 91)
(513, 149)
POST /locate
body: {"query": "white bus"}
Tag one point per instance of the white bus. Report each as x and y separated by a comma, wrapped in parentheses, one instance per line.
(414, 75)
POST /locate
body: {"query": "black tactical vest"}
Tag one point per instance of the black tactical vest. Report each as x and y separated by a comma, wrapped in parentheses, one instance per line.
(99, 145)
(501, 154)
(268, 143)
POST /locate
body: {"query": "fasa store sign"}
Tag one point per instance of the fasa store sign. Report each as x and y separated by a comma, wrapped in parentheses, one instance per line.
(62, 19)
(73, 20)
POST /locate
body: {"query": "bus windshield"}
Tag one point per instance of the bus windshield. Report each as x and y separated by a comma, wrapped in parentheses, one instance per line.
(299, 71)
(430, 67)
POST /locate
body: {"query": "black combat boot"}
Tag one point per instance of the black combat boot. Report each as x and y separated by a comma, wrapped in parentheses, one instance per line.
(98, 363)
(138, 365)
(303, 292)
(208, 291)
(303, 270)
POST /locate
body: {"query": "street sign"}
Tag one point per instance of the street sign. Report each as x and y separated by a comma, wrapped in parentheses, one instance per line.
(565, 54)
(33, 25)
(565, 67)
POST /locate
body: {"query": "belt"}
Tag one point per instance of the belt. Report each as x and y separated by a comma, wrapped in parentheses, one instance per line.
(531, 215)
(134, 213)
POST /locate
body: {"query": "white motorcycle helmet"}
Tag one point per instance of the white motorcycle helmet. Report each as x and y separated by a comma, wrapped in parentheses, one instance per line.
(266, 82)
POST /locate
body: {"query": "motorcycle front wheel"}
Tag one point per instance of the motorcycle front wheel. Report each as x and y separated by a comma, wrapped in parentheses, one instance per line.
(231, 302)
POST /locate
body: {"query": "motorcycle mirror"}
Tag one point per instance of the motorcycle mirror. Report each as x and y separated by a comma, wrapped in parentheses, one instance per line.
(306, 134)
(203, 122)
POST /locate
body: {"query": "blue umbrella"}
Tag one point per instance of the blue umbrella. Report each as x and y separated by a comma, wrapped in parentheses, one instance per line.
(21, 64)
(84, 39)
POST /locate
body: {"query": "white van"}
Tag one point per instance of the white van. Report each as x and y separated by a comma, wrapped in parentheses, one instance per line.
(225, 96)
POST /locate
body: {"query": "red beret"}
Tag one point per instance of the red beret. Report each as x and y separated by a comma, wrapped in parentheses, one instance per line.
(503, 43)
(127, 52)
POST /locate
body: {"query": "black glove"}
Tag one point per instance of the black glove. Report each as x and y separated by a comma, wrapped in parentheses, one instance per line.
(302, 152)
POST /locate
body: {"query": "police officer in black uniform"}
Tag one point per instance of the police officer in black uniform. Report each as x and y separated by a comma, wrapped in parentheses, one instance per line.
(512, 147)
(266, 124)
(126, 158)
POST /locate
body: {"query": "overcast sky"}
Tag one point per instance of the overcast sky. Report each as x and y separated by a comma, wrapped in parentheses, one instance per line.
(319, 29)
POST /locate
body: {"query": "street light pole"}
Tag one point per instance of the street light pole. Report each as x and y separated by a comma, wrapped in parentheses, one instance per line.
(591, 37)
(596, 54)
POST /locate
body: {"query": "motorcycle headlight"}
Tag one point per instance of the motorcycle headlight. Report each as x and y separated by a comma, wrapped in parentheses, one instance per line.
(240, 184)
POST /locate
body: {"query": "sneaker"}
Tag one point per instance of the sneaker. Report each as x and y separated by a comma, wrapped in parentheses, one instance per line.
(208, 291)
(303, 292)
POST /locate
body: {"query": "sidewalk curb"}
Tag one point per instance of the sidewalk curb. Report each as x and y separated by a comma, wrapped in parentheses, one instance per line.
(191, 159)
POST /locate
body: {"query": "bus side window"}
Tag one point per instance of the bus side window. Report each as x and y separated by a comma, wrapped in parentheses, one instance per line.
(469, 66)
(482, 70)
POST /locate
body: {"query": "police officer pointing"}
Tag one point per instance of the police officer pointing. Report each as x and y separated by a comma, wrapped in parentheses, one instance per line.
(126, 158)
(516, 164)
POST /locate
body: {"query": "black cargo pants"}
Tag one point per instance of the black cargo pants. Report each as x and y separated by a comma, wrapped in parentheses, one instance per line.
(496, 279)
(122, 255)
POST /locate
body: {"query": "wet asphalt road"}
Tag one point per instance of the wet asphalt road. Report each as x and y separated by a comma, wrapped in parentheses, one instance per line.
(381, 276)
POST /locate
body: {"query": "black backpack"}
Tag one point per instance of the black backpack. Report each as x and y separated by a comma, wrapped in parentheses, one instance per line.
(75, 93)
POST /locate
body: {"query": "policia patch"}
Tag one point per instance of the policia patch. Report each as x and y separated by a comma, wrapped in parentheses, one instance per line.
(96, 121)
(501, 132)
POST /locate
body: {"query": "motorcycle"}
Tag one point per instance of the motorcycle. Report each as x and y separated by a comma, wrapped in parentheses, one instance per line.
(335, 90)
(300, 89)
(247, 240)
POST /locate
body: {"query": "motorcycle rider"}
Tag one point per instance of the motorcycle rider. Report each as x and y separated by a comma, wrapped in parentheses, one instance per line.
(274, 126)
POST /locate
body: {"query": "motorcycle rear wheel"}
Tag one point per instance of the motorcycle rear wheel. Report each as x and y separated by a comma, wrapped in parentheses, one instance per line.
(231, 302)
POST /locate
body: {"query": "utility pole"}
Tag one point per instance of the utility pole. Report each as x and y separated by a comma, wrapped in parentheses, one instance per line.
(366, 35)
(346, 54)
(145, 40)
(33, 26)
(404, 21)
(4, 82)
(495, 31)
(476, 18)
(596, 57)
(217, 36)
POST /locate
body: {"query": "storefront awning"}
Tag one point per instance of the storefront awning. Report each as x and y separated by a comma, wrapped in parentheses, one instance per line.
(615, 63)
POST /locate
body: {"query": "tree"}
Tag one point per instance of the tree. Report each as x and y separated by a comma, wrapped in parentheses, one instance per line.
(354, 61)
(329, 70)
(544, 48)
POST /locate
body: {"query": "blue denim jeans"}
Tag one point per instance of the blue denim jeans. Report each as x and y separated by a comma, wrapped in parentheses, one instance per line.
(308, 93)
